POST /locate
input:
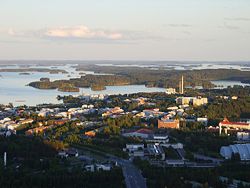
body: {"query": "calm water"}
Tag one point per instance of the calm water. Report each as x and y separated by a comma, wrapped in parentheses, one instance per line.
(14, 89)
(226, 83)
(13, 85)
(184, 66)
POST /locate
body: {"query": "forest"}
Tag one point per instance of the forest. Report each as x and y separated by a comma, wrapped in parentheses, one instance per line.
(32, 162)
(144, 76)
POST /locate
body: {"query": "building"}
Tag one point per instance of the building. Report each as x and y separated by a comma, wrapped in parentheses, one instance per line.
(199, 101)
(36, 130)
(72, 152)
(60, 121)
(170, 91)
(234, 97)
(141, 133)
(202, 120)
(242, 149)
(98, 167)
(155, 150)
(113, 111)
(133, 147)
(169, 123)
(195, 101)
(135, 150)
(152, 113)
(243, 136)
(104, 167)
(159, 138)
(25, 121)
(183, 100)
(63, 154)
(175, 162)
(92, 133)
(226, 124)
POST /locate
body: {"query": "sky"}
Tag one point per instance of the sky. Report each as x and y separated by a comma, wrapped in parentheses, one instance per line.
(191, 30)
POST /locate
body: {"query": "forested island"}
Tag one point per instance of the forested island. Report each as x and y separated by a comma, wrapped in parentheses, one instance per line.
(95, 82)
(26, 70)
(144, 76)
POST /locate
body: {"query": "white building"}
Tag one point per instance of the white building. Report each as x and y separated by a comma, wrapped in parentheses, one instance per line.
(243, 136)
(133, 147)
(141, 133)
(242, 149)
(204, 120)
(159, 138)
(195, 101)
(170, 91)
(135, 150)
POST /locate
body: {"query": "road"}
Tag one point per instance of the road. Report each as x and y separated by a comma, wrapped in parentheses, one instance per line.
(203, 157)
(132, 175)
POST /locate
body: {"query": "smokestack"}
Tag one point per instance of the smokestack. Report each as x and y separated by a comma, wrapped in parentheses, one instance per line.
(182, 84)
(5, 159)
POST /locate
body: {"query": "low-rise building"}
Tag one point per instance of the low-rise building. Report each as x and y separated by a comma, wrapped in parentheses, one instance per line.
(36, 130)
(195, 101)
(141, 133)
(169, 123)
(226, 124)
(152, 113)
(155, 151)
(135, 150)
(112, 111)
(175, 162)
(98, 167)
(25, 121)
(243, 136)
(170, 91)
(159, 138)
(202, 120)
(242, 149)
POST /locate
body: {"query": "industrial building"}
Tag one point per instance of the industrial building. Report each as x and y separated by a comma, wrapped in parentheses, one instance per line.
(242, 149)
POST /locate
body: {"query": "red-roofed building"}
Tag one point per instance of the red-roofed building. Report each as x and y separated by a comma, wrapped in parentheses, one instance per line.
(233, 125)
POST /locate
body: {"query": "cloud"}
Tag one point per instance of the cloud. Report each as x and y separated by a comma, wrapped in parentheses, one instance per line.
(186, 32)
(81, 32)
(238, 19)
(179, 25)
(229, 27)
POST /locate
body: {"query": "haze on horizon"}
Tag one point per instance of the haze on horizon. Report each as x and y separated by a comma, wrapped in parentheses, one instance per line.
(192, 30)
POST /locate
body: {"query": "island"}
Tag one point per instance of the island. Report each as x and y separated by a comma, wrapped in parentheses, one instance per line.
(95, 82)
(118, 76)
(24, 73)
(25, 70)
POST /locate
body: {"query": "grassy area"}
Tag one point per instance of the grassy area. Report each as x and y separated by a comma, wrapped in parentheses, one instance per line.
(171, 153)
